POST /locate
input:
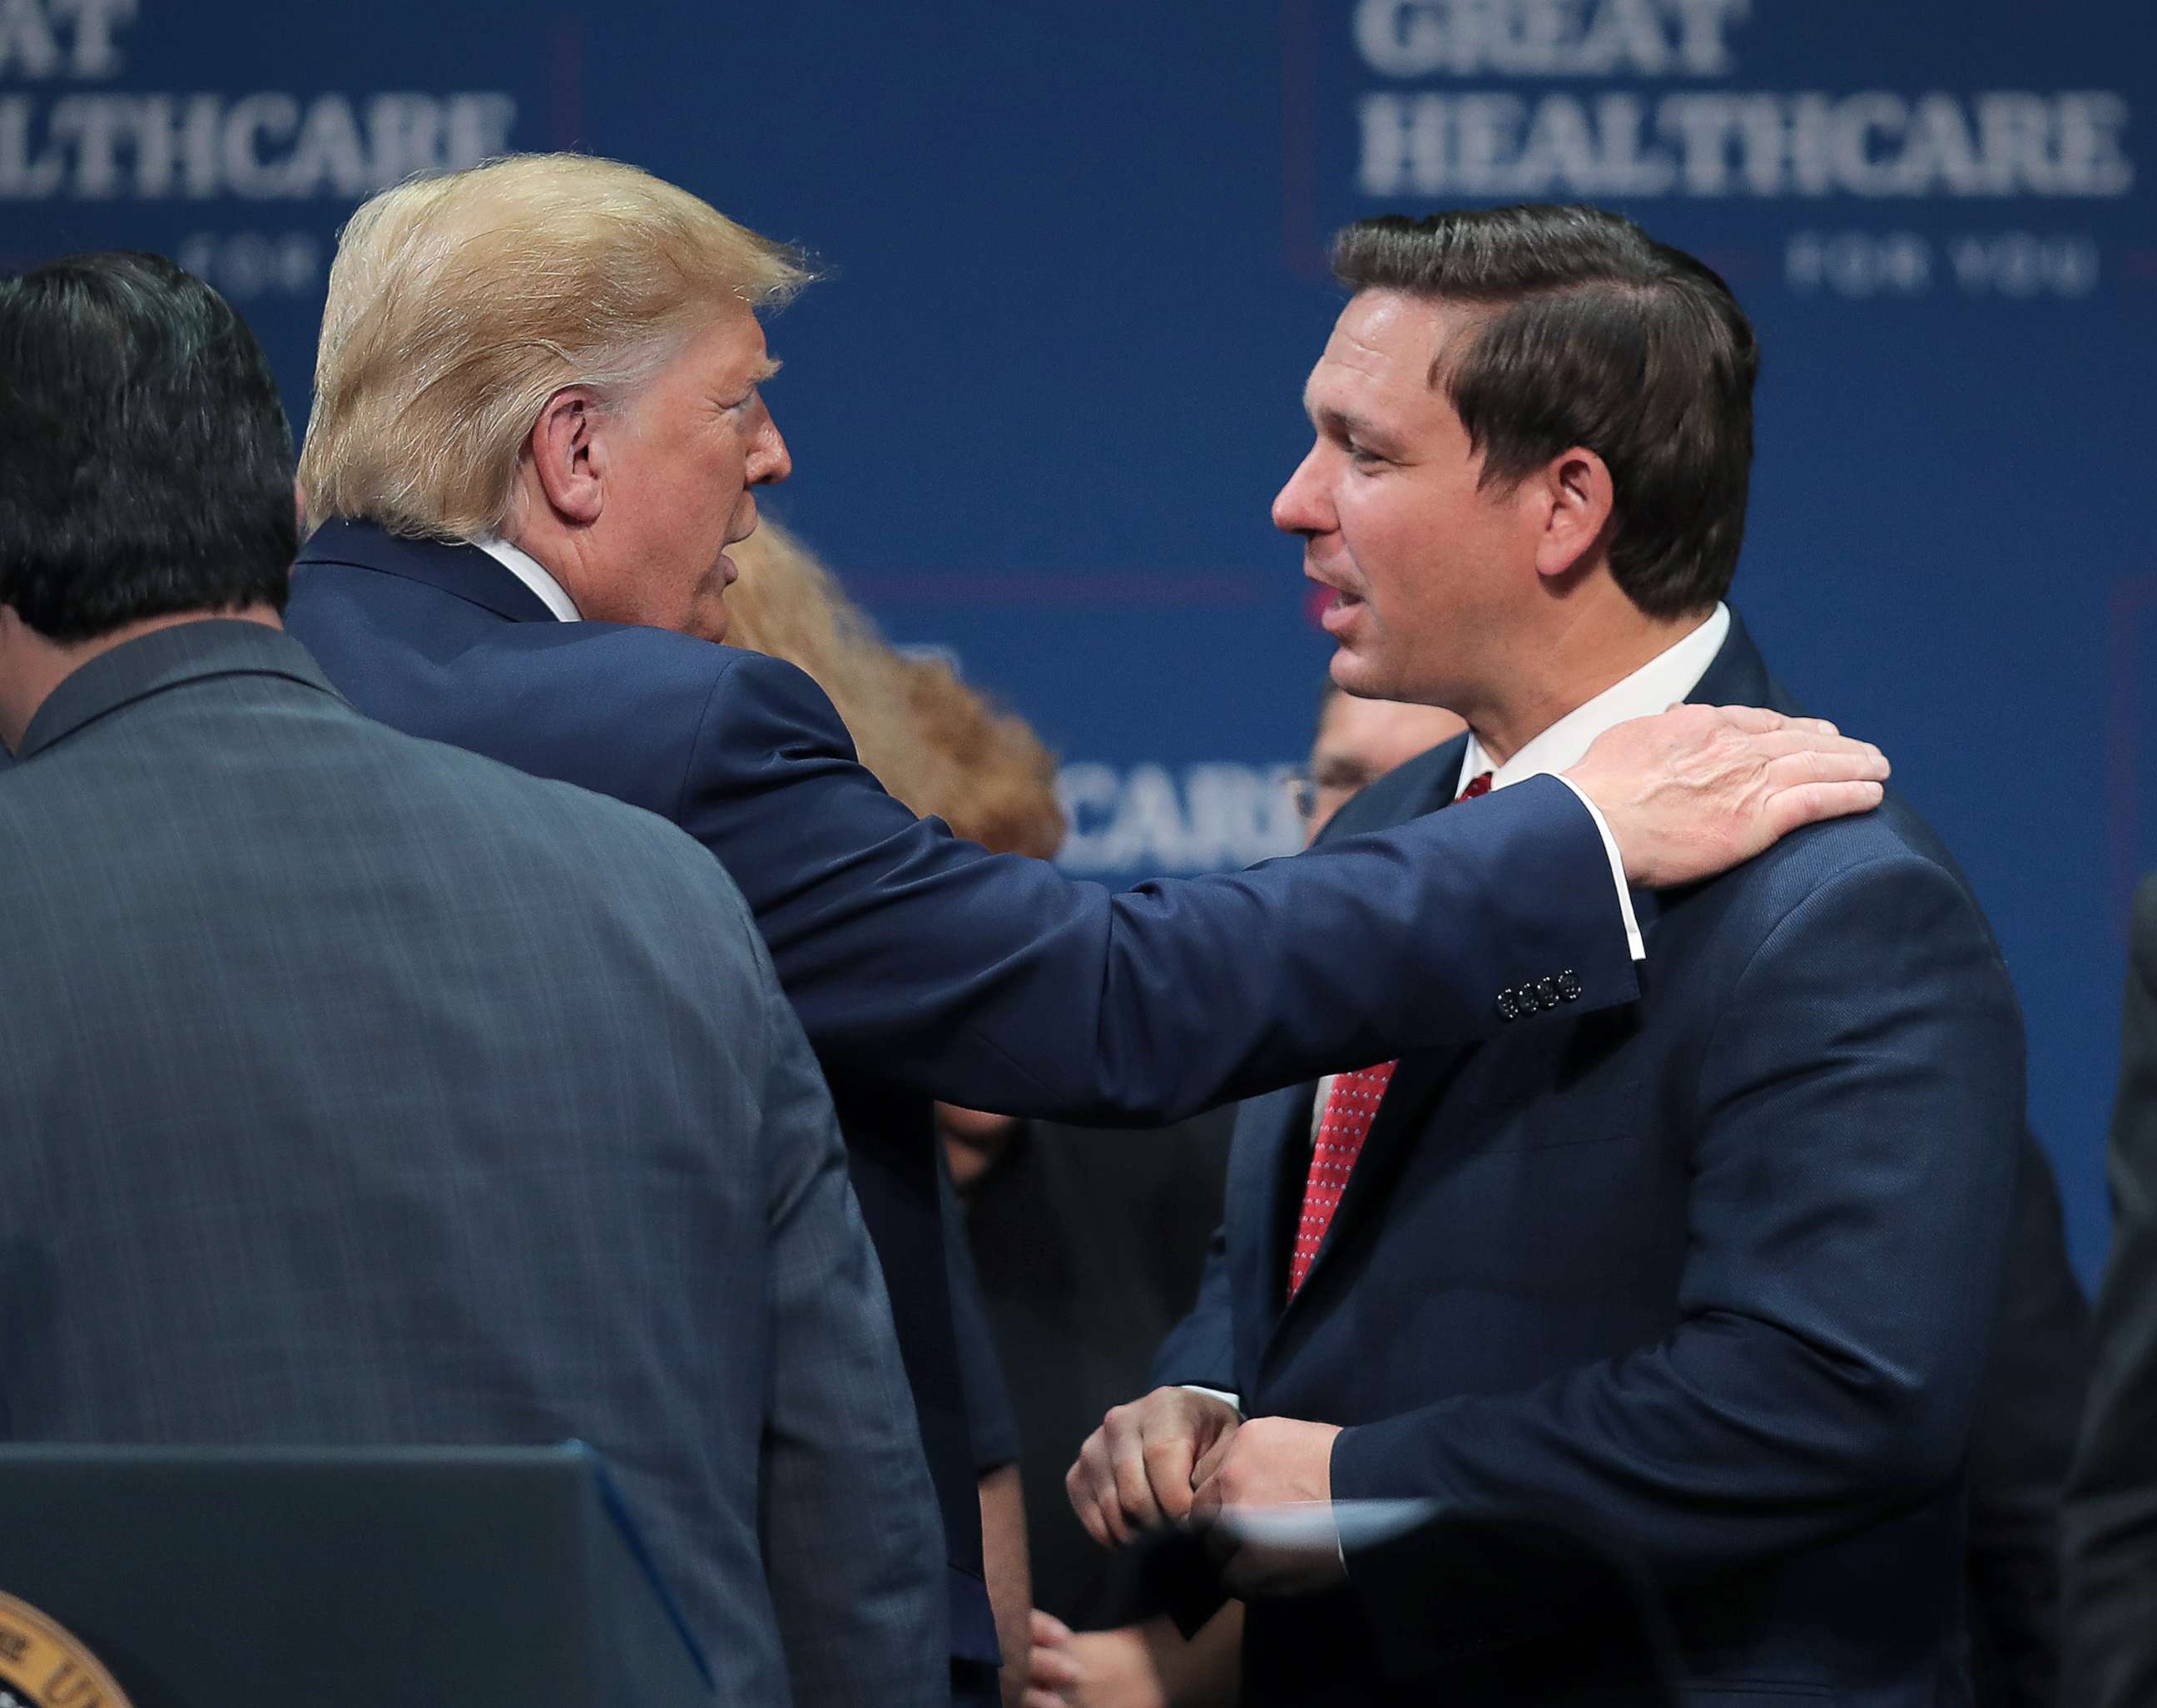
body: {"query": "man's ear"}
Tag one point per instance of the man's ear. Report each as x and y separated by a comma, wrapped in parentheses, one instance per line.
(568, 454)
(1578, 500)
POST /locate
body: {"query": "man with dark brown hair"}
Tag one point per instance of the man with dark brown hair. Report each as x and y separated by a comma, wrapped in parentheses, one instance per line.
(1670, 1318)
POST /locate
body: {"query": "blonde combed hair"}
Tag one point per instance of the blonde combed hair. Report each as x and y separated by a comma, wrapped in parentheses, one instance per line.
(933, 742)
(460, 303)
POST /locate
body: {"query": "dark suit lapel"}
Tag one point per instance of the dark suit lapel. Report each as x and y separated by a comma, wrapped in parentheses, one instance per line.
(1417, 1085)
(1266, 1195)
(1417, 1082)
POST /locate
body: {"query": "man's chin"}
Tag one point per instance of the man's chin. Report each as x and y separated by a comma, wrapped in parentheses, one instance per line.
(707, 619)
(1353, 673)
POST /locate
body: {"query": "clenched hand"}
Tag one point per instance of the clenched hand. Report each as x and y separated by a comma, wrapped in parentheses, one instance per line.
(1134, 1472)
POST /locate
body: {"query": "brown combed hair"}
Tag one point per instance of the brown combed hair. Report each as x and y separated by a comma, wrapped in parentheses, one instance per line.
(932, 741)
(1599, 336)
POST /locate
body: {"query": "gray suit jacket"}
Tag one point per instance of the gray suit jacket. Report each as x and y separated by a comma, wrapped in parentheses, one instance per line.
(356, 1089)
(2110, 1579)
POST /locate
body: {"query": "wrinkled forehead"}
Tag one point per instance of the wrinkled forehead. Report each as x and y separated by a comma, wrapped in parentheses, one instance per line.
(724, 342)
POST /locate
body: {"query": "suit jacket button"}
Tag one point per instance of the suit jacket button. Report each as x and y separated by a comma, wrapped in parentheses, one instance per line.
(1547, 992)
(1506, 1007)
(1568, 985)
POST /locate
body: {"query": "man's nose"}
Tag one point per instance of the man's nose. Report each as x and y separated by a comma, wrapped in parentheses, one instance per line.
(769, 461)
(1299, 508)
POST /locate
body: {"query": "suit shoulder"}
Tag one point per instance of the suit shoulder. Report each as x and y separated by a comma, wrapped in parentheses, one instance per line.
(736, 692)
(1887, 858)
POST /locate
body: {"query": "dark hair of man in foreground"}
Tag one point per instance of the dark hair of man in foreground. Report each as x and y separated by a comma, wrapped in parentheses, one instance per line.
(124, 377)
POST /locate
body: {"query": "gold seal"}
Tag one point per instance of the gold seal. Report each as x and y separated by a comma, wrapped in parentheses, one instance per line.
(42, 1666)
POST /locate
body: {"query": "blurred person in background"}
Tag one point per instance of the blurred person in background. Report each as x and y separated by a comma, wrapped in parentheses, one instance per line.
(356, 1090)
(1358, 742)
(1676, 1317)
(2111, 1569)
(539, 423)
(934, 744)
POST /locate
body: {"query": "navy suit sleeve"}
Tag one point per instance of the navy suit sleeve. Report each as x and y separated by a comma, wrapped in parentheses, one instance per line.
(1001, 983)
(853, 1546)
(1859, 1101)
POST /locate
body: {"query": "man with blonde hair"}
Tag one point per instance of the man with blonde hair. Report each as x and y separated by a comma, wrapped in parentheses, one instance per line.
(539, 426)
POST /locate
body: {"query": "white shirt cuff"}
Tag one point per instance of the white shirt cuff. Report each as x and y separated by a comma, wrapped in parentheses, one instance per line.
(1234, 1402)
(1617, 871)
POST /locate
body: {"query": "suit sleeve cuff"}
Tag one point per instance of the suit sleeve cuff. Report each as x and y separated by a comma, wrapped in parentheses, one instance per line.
(1633, 942)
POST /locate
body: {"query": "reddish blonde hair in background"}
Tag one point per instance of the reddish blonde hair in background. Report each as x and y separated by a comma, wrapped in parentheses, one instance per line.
(929, 739)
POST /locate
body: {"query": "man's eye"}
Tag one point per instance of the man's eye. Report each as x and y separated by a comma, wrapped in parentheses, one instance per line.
(1364, 457)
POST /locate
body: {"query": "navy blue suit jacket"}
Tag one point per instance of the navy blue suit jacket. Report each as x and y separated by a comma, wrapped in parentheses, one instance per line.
(1703, 1283)
(924, 967)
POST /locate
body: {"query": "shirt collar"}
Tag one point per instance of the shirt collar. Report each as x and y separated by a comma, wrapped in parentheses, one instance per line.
(1658, 685)
(528, 569)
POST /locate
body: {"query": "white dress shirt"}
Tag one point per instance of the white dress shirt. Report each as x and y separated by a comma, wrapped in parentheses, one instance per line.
(527, 569)
(1657, 686)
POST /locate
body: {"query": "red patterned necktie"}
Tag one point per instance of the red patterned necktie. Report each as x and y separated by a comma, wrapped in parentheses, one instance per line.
(1351, 1106)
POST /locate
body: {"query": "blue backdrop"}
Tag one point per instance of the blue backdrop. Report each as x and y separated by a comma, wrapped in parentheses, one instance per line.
(1041, 403)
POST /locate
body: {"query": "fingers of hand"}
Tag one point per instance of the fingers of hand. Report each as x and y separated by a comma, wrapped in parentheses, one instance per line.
(1048, 1631)
(1142, 1475)
(1206, 1496)
(1092, 1486)
(1134, 1484)
(1807, 803)
(1168, 1476)
(1757, 720)
(1754, 720)
(1209, 1469)
(1793, 757)
(1055, 1669)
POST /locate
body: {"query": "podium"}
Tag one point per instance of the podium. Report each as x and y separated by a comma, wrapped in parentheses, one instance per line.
(428, 1577)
